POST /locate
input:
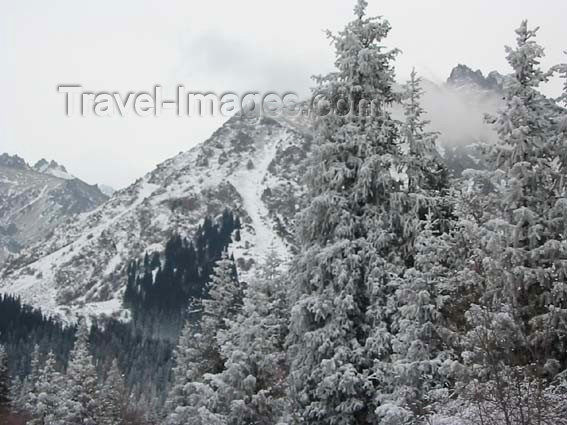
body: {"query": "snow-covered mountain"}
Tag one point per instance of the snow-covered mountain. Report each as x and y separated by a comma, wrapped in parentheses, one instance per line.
(35, 200)
(457, 107)
(52, 168)
(252, 165)
(465, 78)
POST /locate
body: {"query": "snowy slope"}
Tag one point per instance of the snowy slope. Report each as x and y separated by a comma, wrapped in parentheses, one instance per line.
(251, 165)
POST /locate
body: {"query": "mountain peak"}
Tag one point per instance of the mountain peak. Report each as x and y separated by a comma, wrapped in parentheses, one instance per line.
(52, 168)
(463, 75)
(13, 161)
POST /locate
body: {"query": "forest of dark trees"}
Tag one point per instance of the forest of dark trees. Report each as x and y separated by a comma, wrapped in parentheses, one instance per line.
(161, 286)
(23, 328)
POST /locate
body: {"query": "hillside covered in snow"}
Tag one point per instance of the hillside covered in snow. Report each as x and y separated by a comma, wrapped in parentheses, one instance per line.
(252, 166)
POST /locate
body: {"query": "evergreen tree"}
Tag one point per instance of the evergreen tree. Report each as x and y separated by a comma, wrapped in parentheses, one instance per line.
(29, 387)
(252, 387)
(513, 332)
(420, 162)
(112, 403)
(417, 353)
(529, 267)
(225, 295)
(79, 398)
(176, 404)
(48, 390)
(198, 352)
(342, 298)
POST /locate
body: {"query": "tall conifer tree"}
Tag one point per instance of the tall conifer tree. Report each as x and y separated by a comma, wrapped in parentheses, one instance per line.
(339, 322)
(80, 395)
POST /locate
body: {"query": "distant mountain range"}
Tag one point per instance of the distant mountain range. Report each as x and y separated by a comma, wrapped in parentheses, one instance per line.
(34, 200)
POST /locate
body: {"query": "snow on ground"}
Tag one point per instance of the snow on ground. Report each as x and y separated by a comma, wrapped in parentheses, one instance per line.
(38, 198)
(60, 174)
(249, 183)
(37, 289)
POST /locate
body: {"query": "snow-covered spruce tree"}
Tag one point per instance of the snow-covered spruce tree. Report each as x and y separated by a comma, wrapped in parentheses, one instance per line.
(260, 332)
(417, 346)
(516, 333)
(340, 335)
(48, 393)
(198, 350)
(253, 386)
(424, 172)
(530, 269)
(113, 398)
(424, 179)
(29, 392)
(186, 354)
(79, 396)
(224, 299)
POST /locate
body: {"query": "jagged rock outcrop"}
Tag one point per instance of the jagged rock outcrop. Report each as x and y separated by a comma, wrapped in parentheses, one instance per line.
(463, 76)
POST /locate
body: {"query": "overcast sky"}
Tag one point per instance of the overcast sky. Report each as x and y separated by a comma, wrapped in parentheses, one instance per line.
(213, 46)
